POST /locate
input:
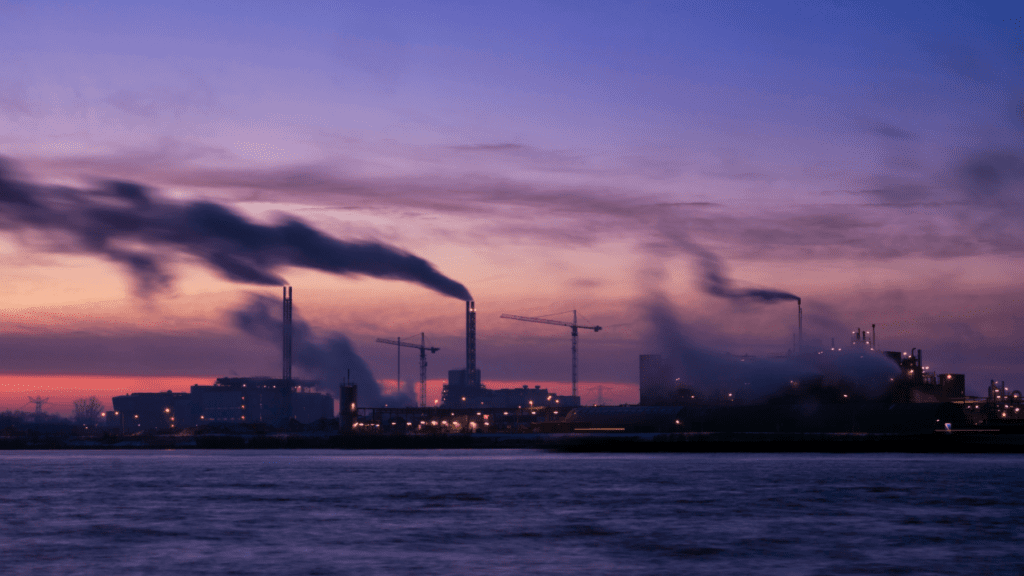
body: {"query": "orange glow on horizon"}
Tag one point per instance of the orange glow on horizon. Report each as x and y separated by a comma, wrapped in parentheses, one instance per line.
(63, 389)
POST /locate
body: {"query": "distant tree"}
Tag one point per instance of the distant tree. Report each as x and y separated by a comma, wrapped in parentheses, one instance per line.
(88, 410)
(13, 417)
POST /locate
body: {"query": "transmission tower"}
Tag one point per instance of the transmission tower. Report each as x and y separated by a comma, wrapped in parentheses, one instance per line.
(38, 401)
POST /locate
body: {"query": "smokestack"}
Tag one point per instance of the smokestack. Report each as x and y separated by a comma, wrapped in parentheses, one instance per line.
(799, 326)
(286, 337)
(471, 343)
(347, 410)
(874, 337)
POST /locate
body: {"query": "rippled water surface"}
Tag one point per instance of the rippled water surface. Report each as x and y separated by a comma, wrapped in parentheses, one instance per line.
(508, 512)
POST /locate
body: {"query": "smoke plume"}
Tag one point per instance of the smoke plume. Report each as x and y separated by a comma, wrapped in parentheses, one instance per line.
(125, 223)
(328, 360)
(751, 379)
(713, 279)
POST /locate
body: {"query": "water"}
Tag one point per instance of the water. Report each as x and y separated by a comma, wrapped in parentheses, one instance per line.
(508, 512)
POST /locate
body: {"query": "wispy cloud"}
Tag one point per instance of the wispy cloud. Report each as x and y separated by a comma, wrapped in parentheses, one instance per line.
(153, 102)
(894, 132)
(15, 103)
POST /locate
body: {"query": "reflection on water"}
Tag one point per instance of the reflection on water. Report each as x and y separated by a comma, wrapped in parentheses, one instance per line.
(508, 512)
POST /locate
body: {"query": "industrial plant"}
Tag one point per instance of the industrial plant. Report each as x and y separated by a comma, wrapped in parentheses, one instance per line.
(272, 401)
(830, 393)
(465, 388)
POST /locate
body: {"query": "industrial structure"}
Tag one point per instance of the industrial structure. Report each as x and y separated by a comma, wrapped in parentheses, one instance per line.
(918, 384)
(348, 409)
(423, 348)
(799, 326)
(238, 400)
(658, 384)
(916, 399)
(575, 337)
(229, 400)
(465, 388)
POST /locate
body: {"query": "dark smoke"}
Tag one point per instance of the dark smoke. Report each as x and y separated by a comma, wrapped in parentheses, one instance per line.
(716, 283)
(327, 360)
(993, 178)
(127, 224)
(713, 279)
(709, 373)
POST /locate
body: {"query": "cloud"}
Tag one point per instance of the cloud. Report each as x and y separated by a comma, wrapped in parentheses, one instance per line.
(133, 352)
(993, 177)
(15, 103)
(941, 215)
(894, 132)
(157, 101)
(503, 147)
(524, 155)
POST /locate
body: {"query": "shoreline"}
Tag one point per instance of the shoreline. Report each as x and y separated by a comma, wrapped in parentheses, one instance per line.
(957, 441)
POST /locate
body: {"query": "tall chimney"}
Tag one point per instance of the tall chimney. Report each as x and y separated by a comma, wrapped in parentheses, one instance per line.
(799, 326)
(286, 344)
(348, 413)
(471, 343)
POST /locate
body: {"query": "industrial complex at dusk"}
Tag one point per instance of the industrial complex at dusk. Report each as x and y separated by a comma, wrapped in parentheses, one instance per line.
(901, 395)
(513, 288)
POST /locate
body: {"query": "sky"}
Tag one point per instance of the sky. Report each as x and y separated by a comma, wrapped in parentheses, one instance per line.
(627, 160)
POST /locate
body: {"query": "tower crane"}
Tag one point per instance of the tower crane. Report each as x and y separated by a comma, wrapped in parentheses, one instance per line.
(422, 347)
(575, 336)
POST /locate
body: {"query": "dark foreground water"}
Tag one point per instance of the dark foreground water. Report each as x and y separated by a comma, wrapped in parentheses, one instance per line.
(508, 512)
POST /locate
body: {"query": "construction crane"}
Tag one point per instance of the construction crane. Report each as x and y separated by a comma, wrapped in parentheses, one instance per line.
(422, 347)
(575, 336)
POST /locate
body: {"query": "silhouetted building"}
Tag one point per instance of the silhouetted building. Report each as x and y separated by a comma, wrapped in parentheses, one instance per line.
(951, 387)
(917, 383)
(258, 399)
(461, 387)
(463, 396)
(151, 411)
(229, 400)
(658, 385)
(348, 410)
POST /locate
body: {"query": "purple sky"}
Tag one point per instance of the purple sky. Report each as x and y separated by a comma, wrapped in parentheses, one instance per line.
(868, 157)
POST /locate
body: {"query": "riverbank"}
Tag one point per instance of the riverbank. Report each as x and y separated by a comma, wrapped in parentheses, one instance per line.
(973, 441)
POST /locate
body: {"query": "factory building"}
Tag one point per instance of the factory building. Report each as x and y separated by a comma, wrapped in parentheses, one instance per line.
(918, 399)
(274, 401)
(658, 384)
(229, 400)
(150, 411)
(999, 407)
(270, 400)
(918, 384)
